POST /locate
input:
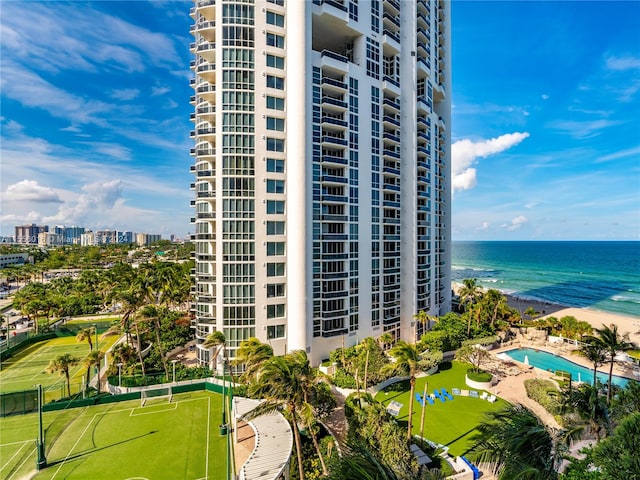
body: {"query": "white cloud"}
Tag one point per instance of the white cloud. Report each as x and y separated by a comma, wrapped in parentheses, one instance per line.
(621, 154)
(110, 149)
(530, 205)
(622, 63)
(545, 96)
(159, 90)
(464, 153)
(583, 129)
(125, 94)
(516, 223)
(31, 191)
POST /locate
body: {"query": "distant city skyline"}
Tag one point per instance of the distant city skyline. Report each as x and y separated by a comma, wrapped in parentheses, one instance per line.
(95, 108)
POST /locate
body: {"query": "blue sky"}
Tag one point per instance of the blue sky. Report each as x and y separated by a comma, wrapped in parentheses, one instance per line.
(546, 118)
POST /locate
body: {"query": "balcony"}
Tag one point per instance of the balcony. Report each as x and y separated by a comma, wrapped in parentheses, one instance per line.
(334, 85)
(206, 112)
(391, 171)
(390, 85)
(334, 140)
(206, 91)
(206, 29)
(391, 19)
(334, 8)
(208, 194)
(334, 61)
(335, 160)
(391, 153)
(207, 71)
(390, 137)
(325, 198)
(203, 152)
(333, 179)
(390, 40)
(207, 50)
(391, 120)
(206, 133)
(207, 8)
(391, 104)
(204, 174)
(392, 5)
(329, 121)
(334, 104)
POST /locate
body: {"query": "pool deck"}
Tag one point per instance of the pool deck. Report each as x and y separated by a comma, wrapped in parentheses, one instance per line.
(511, 374)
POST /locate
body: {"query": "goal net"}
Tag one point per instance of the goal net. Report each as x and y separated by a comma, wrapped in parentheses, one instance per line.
(147, 396)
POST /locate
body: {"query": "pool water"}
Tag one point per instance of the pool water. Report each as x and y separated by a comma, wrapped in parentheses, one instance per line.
(550, 362)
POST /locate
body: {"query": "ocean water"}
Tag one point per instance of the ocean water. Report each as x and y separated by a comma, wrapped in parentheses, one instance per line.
(599, 275)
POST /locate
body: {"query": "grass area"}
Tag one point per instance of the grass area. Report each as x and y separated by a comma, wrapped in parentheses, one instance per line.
(161, 440)
(29, 367)
(450, 423)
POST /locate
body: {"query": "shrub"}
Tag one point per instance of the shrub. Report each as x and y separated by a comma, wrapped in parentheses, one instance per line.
(545, 393)
(484, 341)
(480, 376)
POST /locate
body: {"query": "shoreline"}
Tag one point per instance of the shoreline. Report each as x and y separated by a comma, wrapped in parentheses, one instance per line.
(597, 318)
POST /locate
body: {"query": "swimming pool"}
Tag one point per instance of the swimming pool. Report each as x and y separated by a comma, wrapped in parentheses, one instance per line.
(549, 361)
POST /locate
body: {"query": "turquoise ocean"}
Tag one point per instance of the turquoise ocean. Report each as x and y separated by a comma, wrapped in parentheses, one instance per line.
(597, 275)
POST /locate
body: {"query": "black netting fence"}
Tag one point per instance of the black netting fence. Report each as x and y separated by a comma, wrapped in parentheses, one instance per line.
(18, 403)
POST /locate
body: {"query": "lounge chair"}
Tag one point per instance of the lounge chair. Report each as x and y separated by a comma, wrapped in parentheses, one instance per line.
(464, 393)
(484, 395)
(491, 398)
(419, 399)
(439, 395)
(473, 393)
(456, 391)
(429, 398)
(446, 394)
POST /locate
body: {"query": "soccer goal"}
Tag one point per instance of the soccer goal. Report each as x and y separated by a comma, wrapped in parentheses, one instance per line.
(155, 394)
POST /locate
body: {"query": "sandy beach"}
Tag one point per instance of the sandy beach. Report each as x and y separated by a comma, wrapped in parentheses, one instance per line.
(596, 318)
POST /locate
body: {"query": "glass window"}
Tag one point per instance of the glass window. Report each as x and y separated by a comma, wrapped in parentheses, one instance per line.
(275, 145)
(274, 40)
(275, 82)
(275, 186)
(275, 290)
(275, 61)
(275, 228)
(275, 206)
(275, 165)
(275, 311)
(275, 19)
(275, 269)
(275, 248)
(275, 331)
(275, 124)
(275, 103)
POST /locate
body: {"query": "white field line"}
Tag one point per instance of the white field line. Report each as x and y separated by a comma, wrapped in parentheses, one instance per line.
(23, 462)
(75, 444)
(171, 407)
(206, 468)
(25, 442)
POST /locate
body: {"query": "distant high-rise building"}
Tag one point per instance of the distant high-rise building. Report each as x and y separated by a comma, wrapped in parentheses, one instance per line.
(322, 170)
(146, 239)
(29, 233)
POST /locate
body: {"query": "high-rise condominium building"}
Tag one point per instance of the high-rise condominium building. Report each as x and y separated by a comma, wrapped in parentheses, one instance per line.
(322, 170)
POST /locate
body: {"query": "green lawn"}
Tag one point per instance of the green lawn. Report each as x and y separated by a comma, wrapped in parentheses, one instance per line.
(161, 440)
(28, 368)
(449, 423)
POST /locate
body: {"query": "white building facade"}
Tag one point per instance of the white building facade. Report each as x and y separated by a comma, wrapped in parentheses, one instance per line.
(322, 170)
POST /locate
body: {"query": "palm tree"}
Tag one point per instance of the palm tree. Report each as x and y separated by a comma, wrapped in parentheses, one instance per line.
(93, 360)
(62, 364)
(281, 384)
(591, 407)
(151, 314)
(613, 342)
(252, 354)
(594, 351)
(86, 334)
(531, 312)
(407, 359)
(469, 291)
(215, 339)
(420, 318)
(386, 339)
(519, 444)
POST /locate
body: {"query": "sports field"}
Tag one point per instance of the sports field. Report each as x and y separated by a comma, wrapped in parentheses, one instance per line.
(29, 367)
(162, 440)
